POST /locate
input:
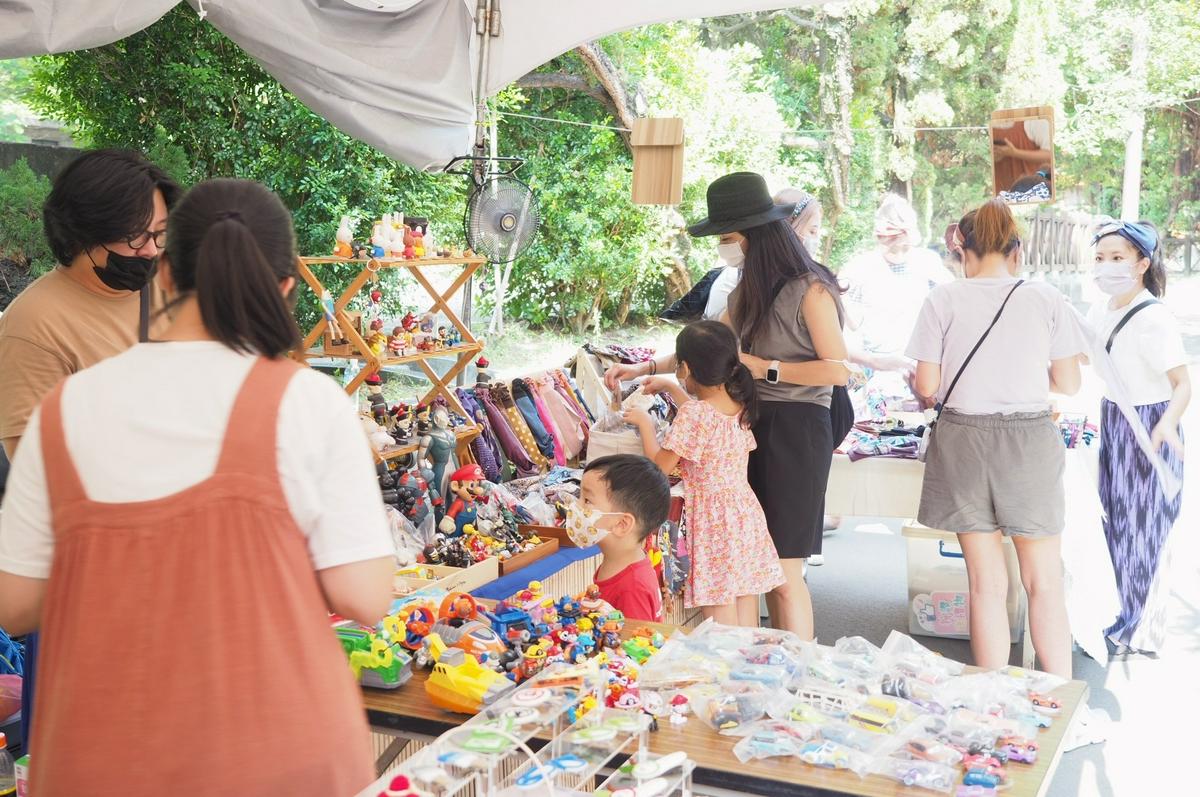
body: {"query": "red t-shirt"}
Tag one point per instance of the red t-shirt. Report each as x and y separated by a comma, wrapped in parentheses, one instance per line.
(634, 591)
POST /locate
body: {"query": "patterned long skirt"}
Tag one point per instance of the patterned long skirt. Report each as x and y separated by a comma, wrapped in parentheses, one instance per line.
(1138, 520)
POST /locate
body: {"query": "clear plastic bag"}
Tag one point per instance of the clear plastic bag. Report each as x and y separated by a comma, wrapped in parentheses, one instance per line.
(831, 755)
(729, 706)
(542, 513)
(919, 774)
(407, 539)
(771, 738)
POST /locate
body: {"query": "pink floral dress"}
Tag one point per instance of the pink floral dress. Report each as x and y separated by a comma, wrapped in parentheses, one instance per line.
(730, 548)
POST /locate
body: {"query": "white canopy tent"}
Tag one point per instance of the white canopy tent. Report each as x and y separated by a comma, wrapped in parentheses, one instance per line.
(404, 82)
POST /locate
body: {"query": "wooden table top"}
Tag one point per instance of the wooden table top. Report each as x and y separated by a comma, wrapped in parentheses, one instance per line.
(407, 709)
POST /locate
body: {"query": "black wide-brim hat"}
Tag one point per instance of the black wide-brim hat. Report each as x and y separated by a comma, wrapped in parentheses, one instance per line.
(737, 202)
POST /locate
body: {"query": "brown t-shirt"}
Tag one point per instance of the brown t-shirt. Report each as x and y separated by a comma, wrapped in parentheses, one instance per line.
(53, 329)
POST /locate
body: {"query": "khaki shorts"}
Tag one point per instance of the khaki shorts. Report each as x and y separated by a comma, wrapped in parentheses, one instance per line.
(988, 472)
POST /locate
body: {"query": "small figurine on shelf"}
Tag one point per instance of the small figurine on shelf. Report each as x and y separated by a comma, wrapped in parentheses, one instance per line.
(336, 336)
(379, 408)
(428, 322)
(410, 244)
(465, 486)
(679, 709)
(377, 341)
(453, 339)
(437, 448)
(401, 423)
(344, 239)
(482, 377)
(379, 241)
(443, 340)
(376, 297)
(395, 342)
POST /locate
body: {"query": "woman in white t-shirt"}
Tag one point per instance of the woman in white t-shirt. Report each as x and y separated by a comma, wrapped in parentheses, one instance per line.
(996, 459)
(179, 521)
(1147, 354)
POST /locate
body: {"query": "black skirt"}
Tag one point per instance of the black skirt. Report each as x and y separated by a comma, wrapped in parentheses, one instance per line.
(789, 472)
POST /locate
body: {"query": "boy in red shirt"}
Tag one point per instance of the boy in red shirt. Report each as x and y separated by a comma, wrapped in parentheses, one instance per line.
(623, 498)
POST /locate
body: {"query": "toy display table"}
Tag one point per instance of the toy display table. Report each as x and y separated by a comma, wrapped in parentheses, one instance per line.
(404, 716)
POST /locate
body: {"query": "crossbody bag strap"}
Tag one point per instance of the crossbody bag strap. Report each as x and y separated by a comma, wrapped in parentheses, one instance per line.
(1125, 320)
(979, 343)
(144, 314)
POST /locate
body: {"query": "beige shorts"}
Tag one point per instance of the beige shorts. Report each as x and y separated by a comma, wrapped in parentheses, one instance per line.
(988, 472)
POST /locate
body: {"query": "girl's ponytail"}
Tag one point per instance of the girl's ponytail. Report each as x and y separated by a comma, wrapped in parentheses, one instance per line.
(231, 244)
(990, 229)
(741, 388)
(240, 298)
(1155, 278)
(710, 350)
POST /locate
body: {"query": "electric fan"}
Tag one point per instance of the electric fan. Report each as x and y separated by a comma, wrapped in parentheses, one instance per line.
(501, 219)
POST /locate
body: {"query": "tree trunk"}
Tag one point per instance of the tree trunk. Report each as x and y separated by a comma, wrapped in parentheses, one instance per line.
(624, 305)
(836, 93)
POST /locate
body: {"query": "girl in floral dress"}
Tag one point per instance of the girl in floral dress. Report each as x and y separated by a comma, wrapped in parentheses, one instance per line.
(733, 560)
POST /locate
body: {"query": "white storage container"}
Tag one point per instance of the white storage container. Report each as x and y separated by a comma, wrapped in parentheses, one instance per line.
(938, 593)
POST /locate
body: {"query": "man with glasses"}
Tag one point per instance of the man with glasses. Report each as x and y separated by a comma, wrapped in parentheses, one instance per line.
(105, 220)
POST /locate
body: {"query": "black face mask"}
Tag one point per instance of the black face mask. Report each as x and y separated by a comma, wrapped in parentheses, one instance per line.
(126, 272)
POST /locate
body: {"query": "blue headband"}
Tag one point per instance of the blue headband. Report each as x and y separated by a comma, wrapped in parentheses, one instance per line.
(1143, 238)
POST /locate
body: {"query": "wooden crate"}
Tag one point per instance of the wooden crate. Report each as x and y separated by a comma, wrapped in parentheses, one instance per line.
(526, 558)
(453, 579)
(547, 533)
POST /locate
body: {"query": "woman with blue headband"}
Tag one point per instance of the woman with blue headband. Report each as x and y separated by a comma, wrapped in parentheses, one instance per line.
(1144, 342)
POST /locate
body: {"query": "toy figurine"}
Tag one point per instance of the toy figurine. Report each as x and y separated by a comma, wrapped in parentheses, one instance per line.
(344, 239)
(410, 241)
(379, 241)
(376, 297)
(443, 340)
(679, 709)
(336, 336)
(465, 486)
(437, 448)
(379, 408)
(395, 342)
(377, 341)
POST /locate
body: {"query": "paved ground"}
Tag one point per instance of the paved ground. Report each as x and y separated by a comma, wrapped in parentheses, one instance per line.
(1154, 704)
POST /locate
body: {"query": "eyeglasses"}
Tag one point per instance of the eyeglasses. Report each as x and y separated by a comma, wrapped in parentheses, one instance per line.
(140, 240)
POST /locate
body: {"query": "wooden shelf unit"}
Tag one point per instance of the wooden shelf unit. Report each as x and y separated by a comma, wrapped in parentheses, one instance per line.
(462, 354)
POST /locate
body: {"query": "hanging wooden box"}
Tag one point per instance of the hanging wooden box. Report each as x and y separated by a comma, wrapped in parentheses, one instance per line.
(657, 161)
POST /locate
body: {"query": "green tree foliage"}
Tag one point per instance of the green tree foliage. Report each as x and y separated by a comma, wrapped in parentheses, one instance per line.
(24, 253)
(831, 100)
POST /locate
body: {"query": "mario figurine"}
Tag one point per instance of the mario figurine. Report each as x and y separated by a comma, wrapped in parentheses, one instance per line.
(679, 709)
(466, 485)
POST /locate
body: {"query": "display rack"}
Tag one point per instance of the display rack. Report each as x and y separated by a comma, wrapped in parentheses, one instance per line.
(372, 363)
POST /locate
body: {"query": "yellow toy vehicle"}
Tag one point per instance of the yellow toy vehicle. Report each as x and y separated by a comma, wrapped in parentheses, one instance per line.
(459, 683)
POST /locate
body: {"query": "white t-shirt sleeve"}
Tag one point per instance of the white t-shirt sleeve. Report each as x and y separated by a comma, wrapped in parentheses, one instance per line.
(929, 333)
(1162, 341)
(718, 295)
(328, 474)
(26, 534)
(1066, 338)
(1038, 131)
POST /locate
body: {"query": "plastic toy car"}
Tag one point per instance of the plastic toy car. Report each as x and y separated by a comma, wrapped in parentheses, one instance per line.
(930, 750)
(1037, 719)
(471, 636)
(926, 779)
(826, 672)
(975, 791)
(980, 777)
(767, 744)
(460, 683)
(825, 754)
(1018, 749)
(1046, 703)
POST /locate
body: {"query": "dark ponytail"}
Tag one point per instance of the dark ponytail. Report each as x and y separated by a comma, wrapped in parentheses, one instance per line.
(710, 350)
(231, 244)
(1155, 278)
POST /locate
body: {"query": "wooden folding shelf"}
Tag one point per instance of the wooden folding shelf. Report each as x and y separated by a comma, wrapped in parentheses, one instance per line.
(463, 354)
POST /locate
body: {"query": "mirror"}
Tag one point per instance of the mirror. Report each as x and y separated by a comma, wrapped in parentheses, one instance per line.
(1023, 154)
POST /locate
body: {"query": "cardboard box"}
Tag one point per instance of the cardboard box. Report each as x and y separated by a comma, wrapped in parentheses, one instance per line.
(452, 579)
(525, 558)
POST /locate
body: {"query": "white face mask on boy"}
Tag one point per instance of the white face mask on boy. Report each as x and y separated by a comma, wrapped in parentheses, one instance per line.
(731, 254)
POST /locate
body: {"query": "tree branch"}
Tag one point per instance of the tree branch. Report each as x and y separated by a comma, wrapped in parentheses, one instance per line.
(606, 72)
(565, 81)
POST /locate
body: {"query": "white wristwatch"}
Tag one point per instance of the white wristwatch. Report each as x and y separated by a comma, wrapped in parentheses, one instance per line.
(773, 373)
